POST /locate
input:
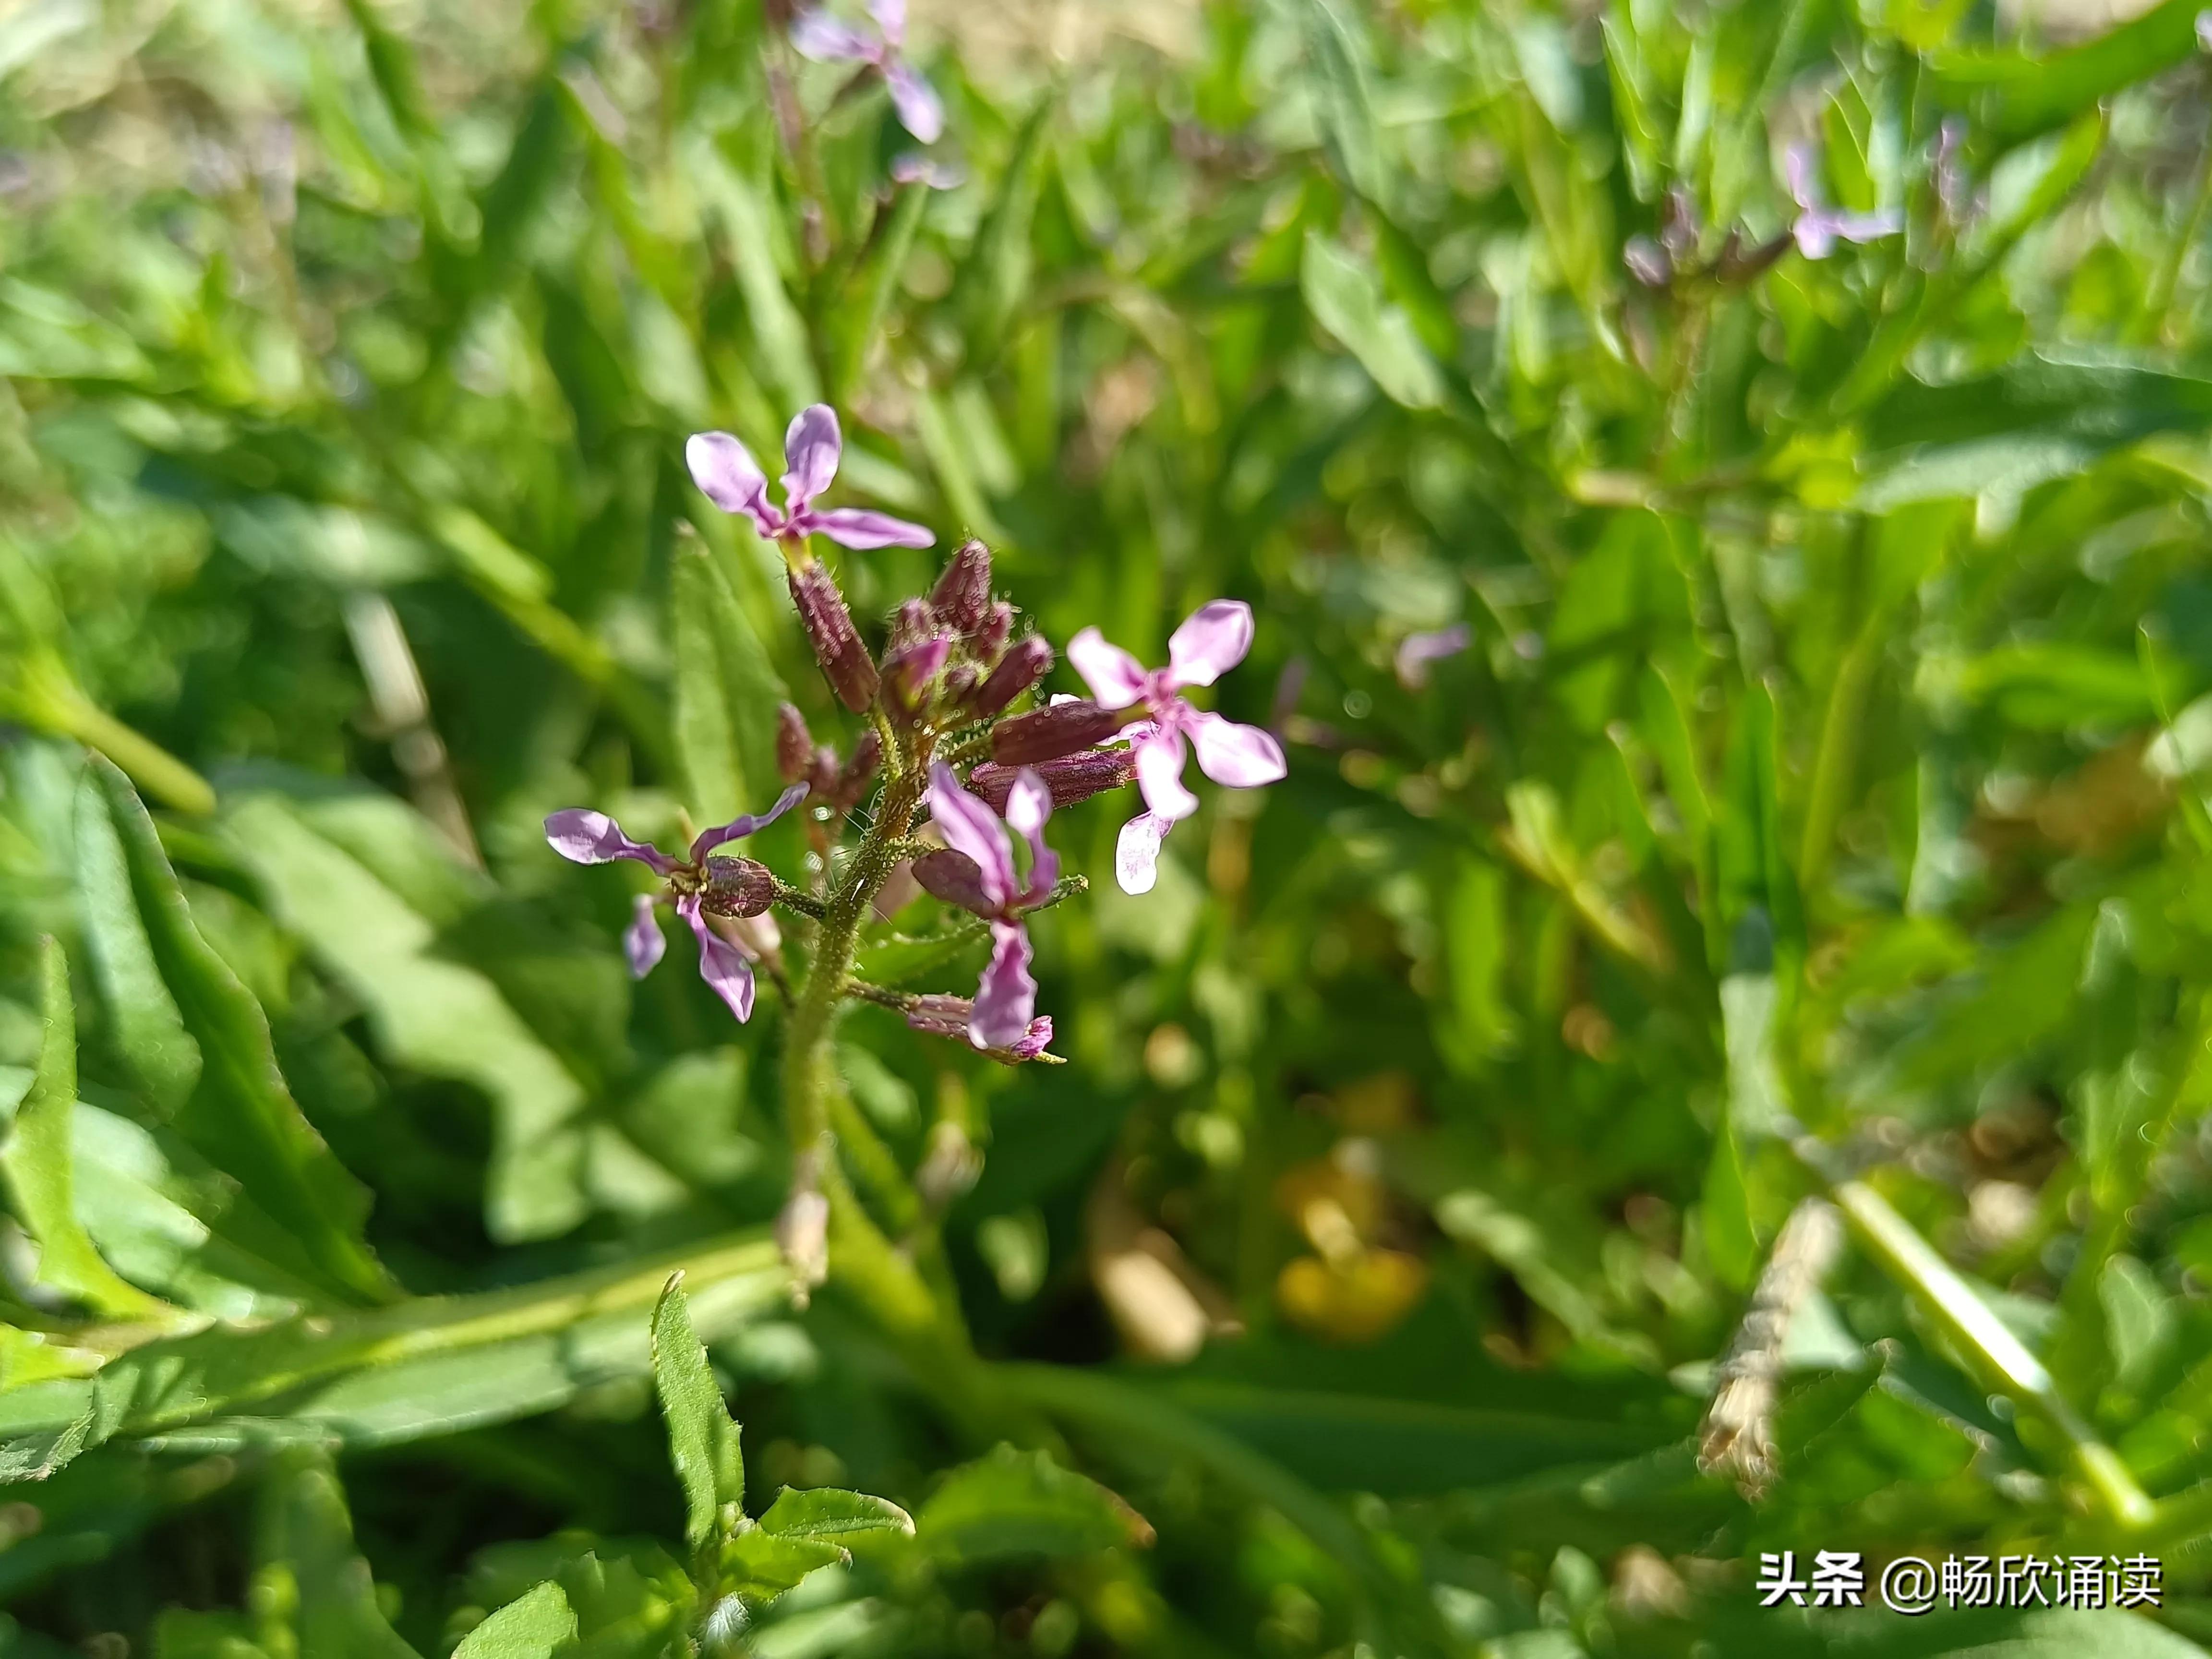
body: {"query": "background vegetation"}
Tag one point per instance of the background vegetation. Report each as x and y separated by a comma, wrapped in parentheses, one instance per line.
(1816, 809)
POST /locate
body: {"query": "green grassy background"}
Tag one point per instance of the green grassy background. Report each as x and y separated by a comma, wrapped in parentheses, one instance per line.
(1819, 804)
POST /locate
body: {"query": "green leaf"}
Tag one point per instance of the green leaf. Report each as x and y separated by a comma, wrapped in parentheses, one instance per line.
(2028, 96)
(531, 1627)
(1346, 298)
(429, 1013)
(778, 328)
(1758, 894)
(306, 1543)
(149, 1029)
(240, 1115)
(825, 1512)
(40, 1168)
(995, 276)
(1013, 1504)
(1730, 1240)
(702, 1439)
(726, 693)
(765, 1564)
(1344, 109)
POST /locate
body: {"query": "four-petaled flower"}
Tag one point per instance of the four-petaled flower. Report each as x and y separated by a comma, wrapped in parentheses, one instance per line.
(818, 35)
(1006, 1001)
(725, 469)
(1211, 641)
(1818, 226)
(738, 888)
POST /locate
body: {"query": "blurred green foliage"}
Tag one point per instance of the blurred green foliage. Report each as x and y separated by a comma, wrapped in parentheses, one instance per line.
(1819, 806)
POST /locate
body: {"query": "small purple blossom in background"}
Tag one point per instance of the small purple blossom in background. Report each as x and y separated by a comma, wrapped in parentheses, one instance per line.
(915, 169)
(725, 470)
(1006, 1001)
(818, 35)
(1416, 651)
(1211, 641)
(1818, 227)
(583, 836)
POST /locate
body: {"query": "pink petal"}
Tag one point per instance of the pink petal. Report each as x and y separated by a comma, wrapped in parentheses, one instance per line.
(725, 470)
(921, 111)
(1035, 1040)
(1136, 855)
(724, 968)
(1797, 166)
(1241, 756)
(1815, 236)
(1029, 804)
(810, 449)
(855, 526)
(818, 35)
(583, 837)
(1866, 227)
(1416, 651)
(1117, 679)
(1005, 1000)
(642, 940)
(746, 824)
(1159, 777)
(890, 18)
(1211, 643)
(968, 827)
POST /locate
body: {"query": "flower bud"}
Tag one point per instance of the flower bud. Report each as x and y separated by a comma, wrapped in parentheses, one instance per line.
(867, 754)
(956, 878)
(737, 887)
(1068, 780)
(794, 743)
(962, 593)
(952, 1165)
(822, 775)
(990, 635)
(802, 1233)
(911, 624)
(910, 671)
(851, 672)
(1026, 663)
(1048, 733)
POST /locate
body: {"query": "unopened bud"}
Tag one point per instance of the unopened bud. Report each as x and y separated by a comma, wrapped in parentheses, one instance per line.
(911, 624)
(956, 878)
(991, 634)
(867, 754)
(1068, 780)
(962, 593)
(1048, 733)
(737, 887)
(952, 1165)
(794, 743)
(1026, 663)
(822, 775)
(830, 630)
(910, 671)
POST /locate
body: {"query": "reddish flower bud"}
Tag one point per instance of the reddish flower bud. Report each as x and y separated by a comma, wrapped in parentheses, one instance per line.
(956, 878)
(911, 671)
(867, 754)
(959, 683)
(737, 887)
(990, 635)
(822, 775)
(1068, 780)
(1048, 733)
(794, 743)
(851, 672)
(962, 593)
(1026, 663)
(911, 624)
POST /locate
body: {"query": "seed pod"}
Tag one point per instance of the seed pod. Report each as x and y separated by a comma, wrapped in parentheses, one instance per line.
(991, 634)
(1068, 780)
(1024, 664)
(851, 672)
(794, 743)
(737, 887)
(962, 593)
(956, 878)
(1048, 733)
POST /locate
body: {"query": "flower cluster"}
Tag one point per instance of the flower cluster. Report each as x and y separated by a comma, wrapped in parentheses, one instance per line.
(948, 733)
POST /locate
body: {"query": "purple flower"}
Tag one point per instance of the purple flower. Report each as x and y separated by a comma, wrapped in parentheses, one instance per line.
(728, 887)
(1006, 1002)
(1817, 227)
(1416, 651)
(1211, 641)
(733, 481)
(915, 168)
(954, 1017)
(818, 35)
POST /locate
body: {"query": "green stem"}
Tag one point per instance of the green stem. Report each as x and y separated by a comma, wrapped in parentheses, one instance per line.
(48, 697)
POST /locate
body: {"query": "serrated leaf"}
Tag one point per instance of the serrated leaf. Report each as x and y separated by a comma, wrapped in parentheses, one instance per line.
(703, 1442)
(530, 1627)
(1013, 1503)
(1346, 299)
(37, 1162)
(825, 1512)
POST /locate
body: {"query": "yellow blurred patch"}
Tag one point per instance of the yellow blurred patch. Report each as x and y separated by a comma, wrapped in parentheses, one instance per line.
(1356, 1299)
